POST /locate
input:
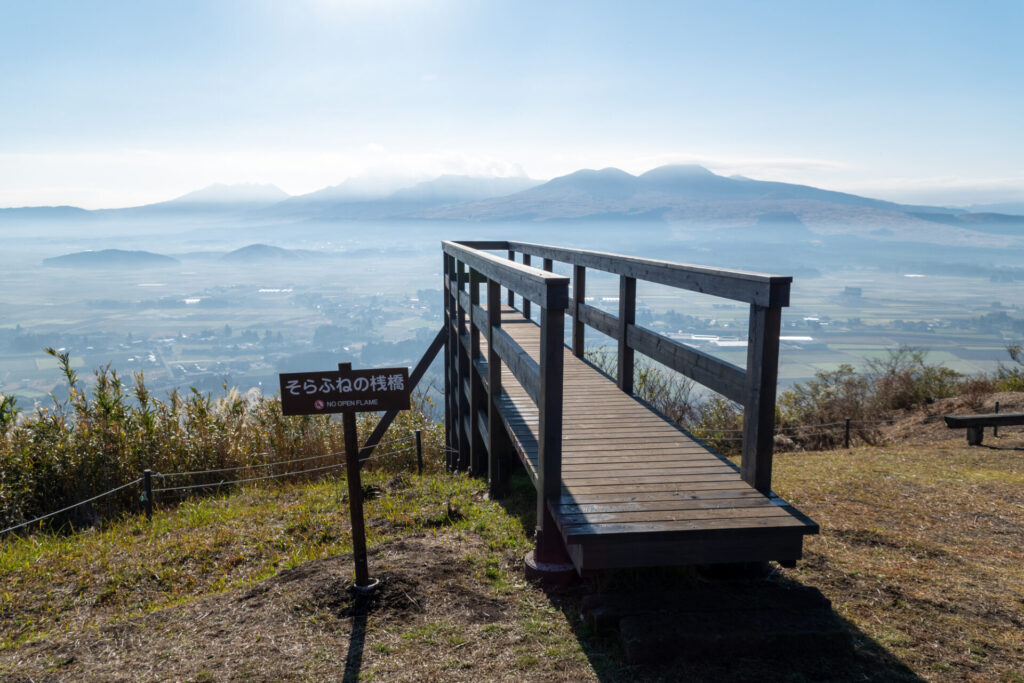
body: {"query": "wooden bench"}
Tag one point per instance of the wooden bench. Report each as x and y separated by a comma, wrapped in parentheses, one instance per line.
(975, 424)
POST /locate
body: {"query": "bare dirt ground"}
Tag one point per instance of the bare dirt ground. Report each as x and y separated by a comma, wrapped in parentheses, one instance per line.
(431, 620)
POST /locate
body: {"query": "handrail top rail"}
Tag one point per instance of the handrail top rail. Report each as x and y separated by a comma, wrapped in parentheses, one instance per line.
(550, 290)
(764, 289)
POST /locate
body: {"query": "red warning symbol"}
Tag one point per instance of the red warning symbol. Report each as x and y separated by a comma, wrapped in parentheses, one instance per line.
(318, 404)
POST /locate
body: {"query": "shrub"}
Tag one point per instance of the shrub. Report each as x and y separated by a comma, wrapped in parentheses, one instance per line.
(904, 380)
(95, 441)
(813, 415)
(1011, 377)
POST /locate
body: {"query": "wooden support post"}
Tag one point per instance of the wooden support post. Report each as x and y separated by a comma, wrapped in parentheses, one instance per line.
(759, 407)
(975, 435)
(355, 499)
(627, 317)
(453, 355)
(549, 265)
(446, 296)
(846, 435)
(147, 492)
(526, 302)
(477, 396)
(463, 372)
(549, 458)
(995, 428)
(511, 294)
(419, 451)
(579, 290)
(497, 468)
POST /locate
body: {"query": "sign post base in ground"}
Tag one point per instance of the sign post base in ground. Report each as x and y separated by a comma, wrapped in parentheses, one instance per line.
(348, 391)
(355, 499)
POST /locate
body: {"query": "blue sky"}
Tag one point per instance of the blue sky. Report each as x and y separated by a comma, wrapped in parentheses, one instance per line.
(119, 103)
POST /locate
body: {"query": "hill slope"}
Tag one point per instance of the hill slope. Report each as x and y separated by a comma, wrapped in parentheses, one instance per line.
(918, 556)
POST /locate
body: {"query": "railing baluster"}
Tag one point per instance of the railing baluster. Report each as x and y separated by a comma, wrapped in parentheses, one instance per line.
(759, 407)
(549, 457)
(579, 289)
(477, 399)
(496, 436)
(511, 294)
(526, 302)
(449, 435)
(627, 317)
(464, 369)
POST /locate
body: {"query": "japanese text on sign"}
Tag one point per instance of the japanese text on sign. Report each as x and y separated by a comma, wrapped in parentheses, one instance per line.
(305, 393)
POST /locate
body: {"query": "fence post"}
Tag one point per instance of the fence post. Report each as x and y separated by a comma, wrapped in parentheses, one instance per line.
(419, 452)
(846, 437)
(995, 428)
(147, 492)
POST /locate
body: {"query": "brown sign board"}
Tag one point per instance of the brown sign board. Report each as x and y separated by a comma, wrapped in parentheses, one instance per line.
(341, 391)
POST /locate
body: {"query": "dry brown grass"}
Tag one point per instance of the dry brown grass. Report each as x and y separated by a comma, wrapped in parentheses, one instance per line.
(920, 552)
(922, 549)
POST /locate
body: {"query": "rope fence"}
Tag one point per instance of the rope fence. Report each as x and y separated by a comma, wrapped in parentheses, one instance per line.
(148, 476)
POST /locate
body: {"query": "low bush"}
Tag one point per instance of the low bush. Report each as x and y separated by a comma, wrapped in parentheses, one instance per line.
(101, 438)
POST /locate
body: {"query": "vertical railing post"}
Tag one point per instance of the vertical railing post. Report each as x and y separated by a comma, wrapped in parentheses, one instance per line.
(550, 547)
(627, 317)
(526, 302)
(759, 407)
(579, 290)
(477, 398)
(449, 434)
(463, 371)
(497, 468)
(995, 428)
(453, 355)
(511, 294)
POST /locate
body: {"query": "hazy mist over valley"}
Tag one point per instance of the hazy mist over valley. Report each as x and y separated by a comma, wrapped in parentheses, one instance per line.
(231, 285)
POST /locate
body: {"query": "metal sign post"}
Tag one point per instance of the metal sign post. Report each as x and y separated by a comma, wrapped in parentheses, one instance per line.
(348, 391)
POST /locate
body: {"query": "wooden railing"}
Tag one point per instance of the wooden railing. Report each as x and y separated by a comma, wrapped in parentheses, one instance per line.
(476, 436)
(753, 387)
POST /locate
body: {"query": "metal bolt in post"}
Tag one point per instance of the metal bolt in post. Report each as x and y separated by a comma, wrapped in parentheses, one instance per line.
(846, 437)
(419, 452)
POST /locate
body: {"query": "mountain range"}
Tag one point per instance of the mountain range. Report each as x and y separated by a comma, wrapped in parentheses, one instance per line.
(678, 194)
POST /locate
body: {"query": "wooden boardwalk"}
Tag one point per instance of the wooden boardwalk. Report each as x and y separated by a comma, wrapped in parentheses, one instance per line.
(618, 485)
(637, 490)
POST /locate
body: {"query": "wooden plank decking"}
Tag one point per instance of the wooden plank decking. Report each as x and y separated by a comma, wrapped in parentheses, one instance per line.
(637, 490)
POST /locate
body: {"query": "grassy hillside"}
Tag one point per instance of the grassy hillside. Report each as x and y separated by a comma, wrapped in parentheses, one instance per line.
(920, 555)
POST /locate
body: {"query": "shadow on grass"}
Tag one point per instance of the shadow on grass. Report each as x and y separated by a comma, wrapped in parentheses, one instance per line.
(780, 646)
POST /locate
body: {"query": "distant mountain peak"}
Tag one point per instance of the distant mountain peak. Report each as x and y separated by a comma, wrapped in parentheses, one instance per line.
(255, 253)
(242, 193)
(111, 258)
(680, 171)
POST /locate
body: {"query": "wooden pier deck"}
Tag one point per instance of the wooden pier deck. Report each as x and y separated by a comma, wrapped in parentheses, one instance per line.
(637, 490)
(618, 485)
